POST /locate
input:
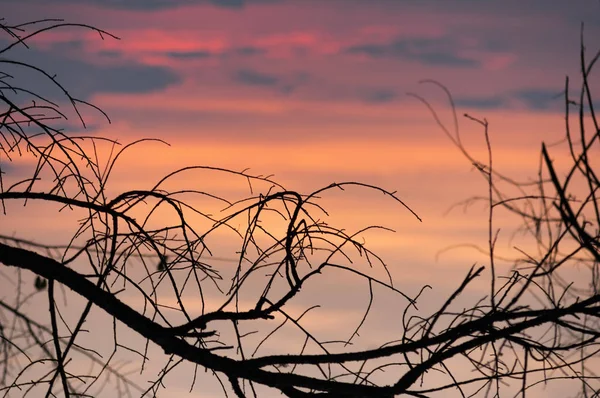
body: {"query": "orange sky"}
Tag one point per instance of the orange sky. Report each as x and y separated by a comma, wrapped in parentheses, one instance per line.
(314, 92)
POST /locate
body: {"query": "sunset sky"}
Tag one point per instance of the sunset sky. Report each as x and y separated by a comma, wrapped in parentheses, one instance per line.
(315, 92)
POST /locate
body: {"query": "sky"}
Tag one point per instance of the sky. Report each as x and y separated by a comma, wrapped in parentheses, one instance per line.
(316, 92)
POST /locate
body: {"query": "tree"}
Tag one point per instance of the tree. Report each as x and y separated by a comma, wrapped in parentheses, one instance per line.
(536, 325)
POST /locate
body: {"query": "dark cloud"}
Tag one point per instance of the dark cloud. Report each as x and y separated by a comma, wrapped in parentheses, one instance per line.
(120, 4)
(372, 50)
(379, 96)
(286, 85)
(135, 4)
(541, 99)
(446, 59)
(249, 51)
(82, 79)
(71, 127)
(288, 89)
(189, 54)
(6, 167)
(435, 52)
(254, 78)
(149, 5)
(110, 53)
(15, 171)
(229, 3)
(67, 46)
(534, 99)
(480, 102)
